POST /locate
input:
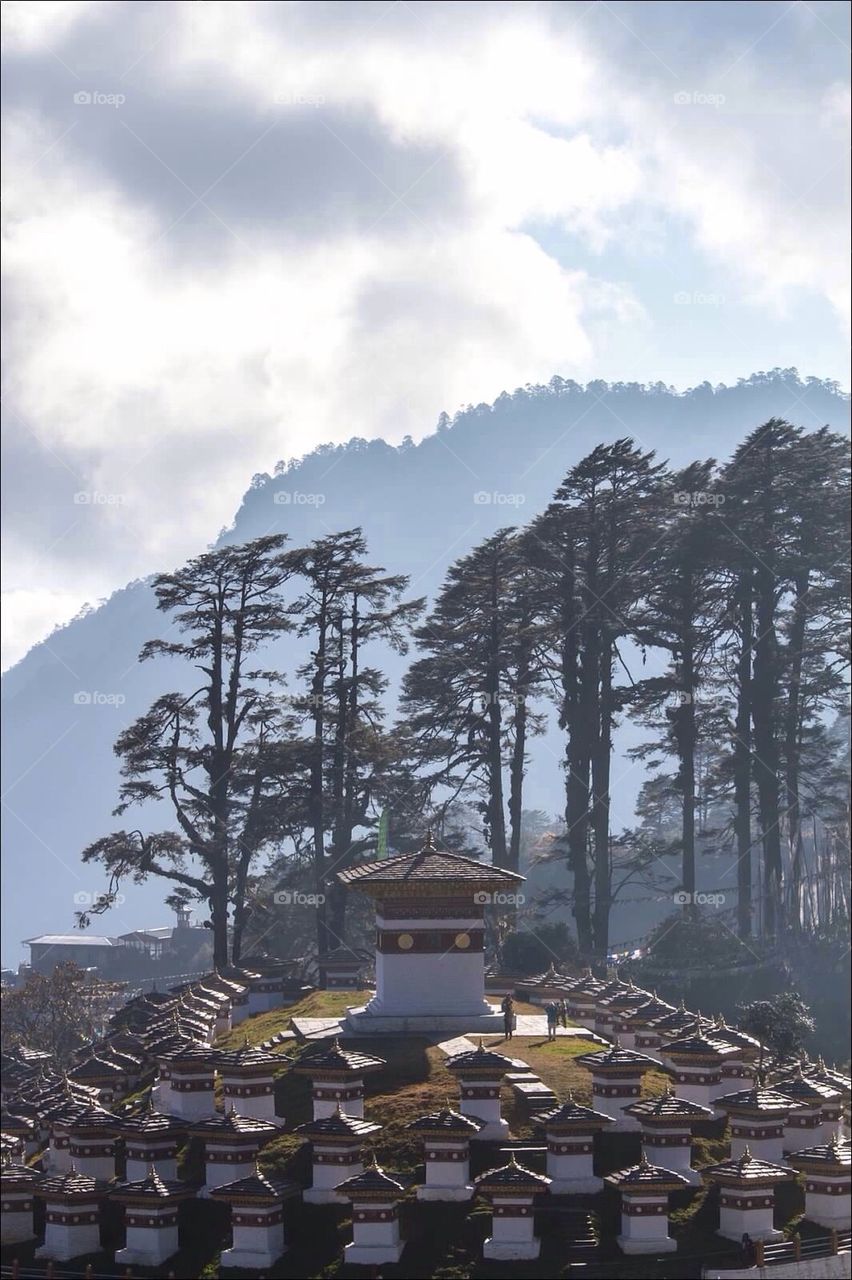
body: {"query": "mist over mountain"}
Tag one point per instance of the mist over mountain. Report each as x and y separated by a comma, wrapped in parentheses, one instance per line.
(421, 507)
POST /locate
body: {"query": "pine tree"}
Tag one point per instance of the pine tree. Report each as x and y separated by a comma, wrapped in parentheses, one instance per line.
(465, 700)
(205, 753)
(680, 614)
(609, 507)
(783, 496)
(344, 605)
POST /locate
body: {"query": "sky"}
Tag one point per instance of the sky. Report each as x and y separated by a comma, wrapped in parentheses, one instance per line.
(234, 231)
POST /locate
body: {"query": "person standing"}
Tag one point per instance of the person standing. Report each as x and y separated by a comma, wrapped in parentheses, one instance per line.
(508, 1007)
(552, 1013)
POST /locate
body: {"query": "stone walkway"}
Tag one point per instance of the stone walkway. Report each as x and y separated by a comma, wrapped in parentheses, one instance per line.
(535, 1024)
(528, 1024)
(317, 1028)
(459, 1044)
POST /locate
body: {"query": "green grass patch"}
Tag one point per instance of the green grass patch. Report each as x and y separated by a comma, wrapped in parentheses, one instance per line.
(319, 1004)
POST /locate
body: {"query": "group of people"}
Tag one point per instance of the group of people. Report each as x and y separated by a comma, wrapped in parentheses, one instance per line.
(556, 1012)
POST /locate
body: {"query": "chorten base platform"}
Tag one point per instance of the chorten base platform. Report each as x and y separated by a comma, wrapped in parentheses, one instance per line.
(511, 1250)
(632, 1244)
(361, 1022)
(373, 1255)
(254, 1260)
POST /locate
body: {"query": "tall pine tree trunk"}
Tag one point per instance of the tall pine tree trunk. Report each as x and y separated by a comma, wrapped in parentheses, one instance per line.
(686, 748)
(516, 784)
(742, 756)
(792, 746)
(601, 767)
(335, 892)
(316, 777)
(576, 752)
(517, 764)
(338, 896)
(766, 756)
(496, 813)
(582, 739)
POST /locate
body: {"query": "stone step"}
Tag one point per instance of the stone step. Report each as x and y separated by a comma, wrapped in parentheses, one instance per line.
(535, 1092)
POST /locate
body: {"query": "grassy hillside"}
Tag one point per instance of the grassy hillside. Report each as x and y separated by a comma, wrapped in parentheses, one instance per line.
(444, 1241)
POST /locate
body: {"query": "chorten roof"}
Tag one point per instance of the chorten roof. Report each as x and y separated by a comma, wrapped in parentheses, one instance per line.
(571, 1113)
(666, 1106)
(12, 1122)
(645, 1176)
(757, 1099)
(616, 1056)
(808, 1089)
(11, 1171)
(153, 1187)
(190, 1053)
(372, 1184)
(335, 1058)
(698, 1043)
(551, 977)
(732, 1035)
(248, 1056)
(625, 1000)
(652, 1009)
(447, 1121)
(828, 1075)
(430, 870)
(512, 1177)
(479, 1059)
(678, 1020)
(71, 1184)
(836, 1155)
(257, 1188)
(746, 1168)
(338, 1125)
(95, 1068)
(587, 984)
(231, 1123)
(93, 1117)
(151, 1123)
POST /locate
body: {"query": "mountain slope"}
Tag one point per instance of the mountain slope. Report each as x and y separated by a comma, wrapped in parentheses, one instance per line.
(421, 506)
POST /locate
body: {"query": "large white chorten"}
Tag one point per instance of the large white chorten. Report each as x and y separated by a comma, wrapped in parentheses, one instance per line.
(430, 941)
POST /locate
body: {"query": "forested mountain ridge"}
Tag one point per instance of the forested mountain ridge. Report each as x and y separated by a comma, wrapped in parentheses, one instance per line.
(421, 507)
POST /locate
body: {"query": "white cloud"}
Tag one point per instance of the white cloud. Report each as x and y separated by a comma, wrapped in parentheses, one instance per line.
(165, 353)
(36, 24)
